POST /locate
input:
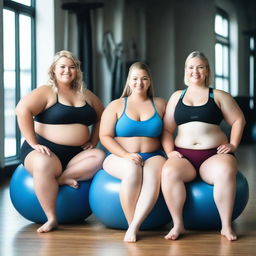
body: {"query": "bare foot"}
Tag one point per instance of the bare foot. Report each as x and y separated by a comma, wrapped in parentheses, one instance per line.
(130, 235)
(174, 233)
(70, 182)
(48, 226)
(229, 234)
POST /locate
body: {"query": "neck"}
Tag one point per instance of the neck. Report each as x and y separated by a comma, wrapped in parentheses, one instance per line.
(140, 97)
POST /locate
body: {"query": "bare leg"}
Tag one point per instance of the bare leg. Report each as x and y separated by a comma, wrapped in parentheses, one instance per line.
(44, 170)
(220, 170)
(83, 166)
(175, 173)
(130, 175)
(148, 195)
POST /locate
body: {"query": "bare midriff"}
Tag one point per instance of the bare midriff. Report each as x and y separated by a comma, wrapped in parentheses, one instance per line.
(64, 134)
(139, 144)
(198, 135)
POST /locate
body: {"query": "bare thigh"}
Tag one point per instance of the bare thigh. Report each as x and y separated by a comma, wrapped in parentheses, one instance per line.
(89, 153)
(179, 168)
(154, 164)
(38, 161)
(119, 167)
(214, 167)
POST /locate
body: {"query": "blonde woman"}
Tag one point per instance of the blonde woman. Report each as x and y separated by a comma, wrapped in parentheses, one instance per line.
(130, 130)
(59, 147)
(200, 147)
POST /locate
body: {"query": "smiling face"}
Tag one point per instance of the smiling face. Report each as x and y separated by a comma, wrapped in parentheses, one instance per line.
(196, 71)
(65, 71)
(139, 81)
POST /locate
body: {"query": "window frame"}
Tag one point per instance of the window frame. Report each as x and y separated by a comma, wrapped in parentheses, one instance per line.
(224, 42)
(20, 9)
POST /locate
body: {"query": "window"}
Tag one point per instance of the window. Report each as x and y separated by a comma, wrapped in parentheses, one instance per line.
(222, 51)
(19, 65)
(252, 69)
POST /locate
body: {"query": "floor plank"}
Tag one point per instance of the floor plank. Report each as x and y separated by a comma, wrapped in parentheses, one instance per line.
(18, 236)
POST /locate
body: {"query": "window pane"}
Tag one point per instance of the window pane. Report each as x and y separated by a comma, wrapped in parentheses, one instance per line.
(218, 24)
(225, 85)
(252, 43)
(225, 27)
(225, 61)
(9, 82)
(221, 25)
(218, 59)
(218, 83)
(25, 55)
(25, 2)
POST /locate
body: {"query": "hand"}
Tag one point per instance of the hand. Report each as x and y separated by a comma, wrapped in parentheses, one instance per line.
(225, 148)
(135, 157)
(88, 145)
(42, 149)
(174, 154)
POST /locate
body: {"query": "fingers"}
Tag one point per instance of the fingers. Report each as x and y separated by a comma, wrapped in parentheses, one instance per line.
(42, 149)
(136, 158)
(175, 154)
(88, 146)
(225, 149)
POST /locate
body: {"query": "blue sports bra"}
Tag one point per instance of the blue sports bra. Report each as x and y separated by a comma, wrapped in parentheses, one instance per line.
(127, 127)
(63, 114)
(208, 113)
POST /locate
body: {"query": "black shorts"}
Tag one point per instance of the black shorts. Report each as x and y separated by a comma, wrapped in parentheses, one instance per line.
(63, 152)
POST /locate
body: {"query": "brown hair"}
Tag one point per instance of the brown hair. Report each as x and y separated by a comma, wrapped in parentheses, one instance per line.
(138, 65)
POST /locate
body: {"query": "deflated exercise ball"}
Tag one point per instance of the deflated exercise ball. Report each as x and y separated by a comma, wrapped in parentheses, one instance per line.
(105, 204)
(200, 211)
(72, 203)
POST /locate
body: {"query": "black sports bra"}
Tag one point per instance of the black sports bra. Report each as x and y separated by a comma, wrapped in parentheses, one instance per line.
(59, 113)
(208, 113)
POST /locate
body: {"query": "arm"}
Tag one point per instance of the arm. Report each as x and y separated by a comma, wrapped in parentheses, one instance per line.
(233, 115)
(107, 129)
(98, 106)
(29, 106)
(170, 126)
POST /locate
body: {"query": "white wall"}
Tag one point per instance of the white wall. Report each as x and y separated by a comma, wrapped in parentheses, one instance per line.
(45, 38)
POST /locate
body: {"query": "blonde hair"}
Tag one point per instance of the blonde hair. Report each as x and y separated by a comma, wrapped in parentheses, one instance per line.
(138, 65)
(200, 55)
(78, 83)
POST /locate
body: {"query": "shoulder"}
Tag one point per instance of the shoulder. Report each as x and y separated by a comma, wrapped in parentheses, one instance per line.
(92, 99)
(160, 103)
(42, 92)
(223, 98)
(220, 95)
(116, 104)
(175, 96)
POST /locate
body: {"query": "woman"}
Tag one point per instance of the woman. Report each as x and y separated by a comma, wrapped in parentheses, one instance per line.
(200, 146)
(130, 130)
(54, 119)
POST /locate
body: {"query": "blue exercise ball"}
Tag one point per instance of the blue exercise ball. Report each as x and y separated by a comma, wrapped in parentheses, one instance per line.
(105, 204)
(200, 211)
(72, 203)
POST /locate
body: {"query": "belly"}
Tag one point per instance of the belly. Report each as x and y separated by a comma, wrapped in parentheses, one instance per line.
(139, 144)
(68, 134)
(199, 135)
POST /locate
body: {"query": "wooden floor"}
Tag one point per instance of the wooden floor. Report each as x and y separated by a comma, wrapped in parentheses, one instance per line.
(18, 236)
